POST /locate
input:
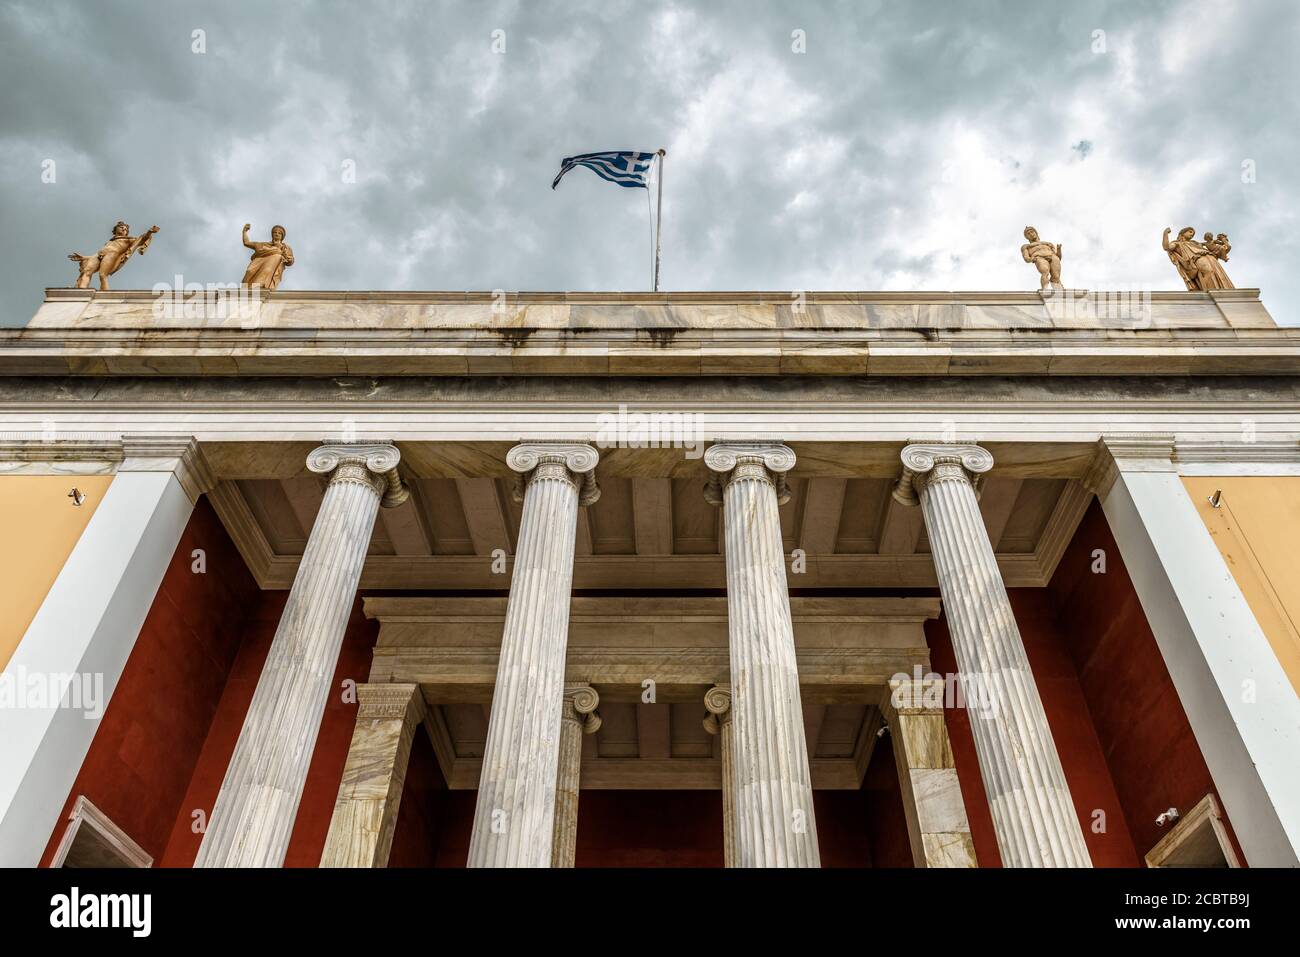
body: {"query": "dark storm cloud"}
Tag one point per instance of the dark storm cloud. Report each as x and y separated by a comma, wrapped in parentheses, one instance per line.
(906, 148)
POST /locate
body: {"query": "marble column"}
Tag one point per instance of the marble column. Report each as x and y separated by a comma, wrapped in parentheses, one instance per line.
(1033, 813)
(370, 793)
(717, 701)
(514, 819)
(255, 809)
(774, 819)
(927, 775)
(578, 716)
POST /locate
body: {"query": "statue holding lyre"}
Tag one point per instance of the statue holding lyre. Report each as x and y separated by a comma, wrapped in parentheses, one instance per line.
(112, 256)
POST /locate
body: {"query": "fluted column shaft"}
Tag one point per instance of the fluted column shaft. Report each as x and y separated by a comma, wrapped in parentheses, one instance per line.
(718, 703)
(1033, 813)
(514, 818)
(774, 820)
(258, 801)
(577, 717)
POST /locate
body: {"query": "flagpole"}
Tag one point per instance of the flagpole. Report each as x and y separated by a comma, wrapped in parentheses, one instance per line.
(659, 213)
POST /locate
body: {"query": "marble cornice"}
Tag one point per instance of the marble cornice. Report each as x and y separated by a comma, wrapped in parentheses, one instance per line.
(70, 453)
(179, 454)
(785, 297)
(638, 352)
(83, 453)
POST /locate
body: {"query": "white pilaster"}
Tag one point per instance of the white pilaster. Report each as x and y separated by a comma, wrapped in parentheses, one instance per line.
(85, 629)
(717, 701)
(578, 716)
(1242, 709)
(1033, 813)
(514, 819)
(774, 821)
(253, 817)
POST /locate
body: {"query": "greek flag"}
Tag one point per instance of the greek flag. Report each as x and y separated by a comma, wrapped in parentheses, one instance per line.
(624, 167)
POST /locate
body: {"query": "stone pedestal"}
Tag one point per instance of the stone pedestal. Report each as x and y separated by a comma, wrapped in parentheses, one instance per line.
(255, 810)
(1033, 813)
(514, 819)
(927, 775)
(370, 794)
(775, 826)
(717, 701)
(578, 716)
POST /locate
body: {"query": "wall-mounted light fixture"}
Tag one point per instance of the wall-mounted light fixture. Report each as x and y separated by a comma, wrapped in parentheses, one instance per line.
(77, 496)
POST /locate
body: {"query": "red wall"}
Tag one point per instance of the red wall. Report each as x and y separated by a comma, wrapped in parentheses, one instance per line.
(418, 831)
(165, 739)
(1081, 752)
(326, 769)
(1119, 727)
(1154, 760)
(163, 744)
(883, 815)
(148, 743)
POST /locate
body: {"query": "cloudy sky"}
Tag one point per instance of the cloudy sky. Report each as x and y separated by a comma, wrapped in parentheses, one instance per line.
(905, 147)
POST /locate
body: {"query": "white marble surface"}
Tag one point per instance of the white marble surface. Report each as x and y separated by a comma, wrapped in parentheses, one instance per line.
(1033, 813)
(514, 817)
(774, 819)
(257, 805)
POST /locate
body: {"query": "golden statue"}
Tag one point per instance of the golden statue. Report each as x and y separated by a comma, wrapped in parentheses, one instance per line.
(1044, 256)
(112, 256)
(266, 268)
(1198, 263)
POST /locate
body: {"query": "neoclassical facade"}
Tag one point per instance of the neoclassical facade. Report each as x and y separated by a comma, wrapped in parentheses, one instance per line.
(554, 580)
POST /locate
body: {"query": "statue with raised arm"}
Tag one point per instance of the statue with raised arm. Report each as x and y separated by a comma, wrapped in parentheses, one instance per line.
(112, 256)
(1199, 264)
(266, 268)
(1045, 257)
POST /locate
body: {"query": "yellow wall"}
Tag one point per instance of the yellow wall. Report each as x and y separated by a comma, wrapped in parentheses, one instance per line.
(1256, 528)
(39, 526)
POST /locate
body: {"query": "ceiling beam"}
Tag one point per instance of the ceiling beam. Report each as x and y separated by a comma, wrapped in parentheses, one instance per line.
(435, 725)
(405, 528)
(305, 496)
(652, 515)
(483, 514)
(654, 730)
(901, 528)
(693, 774)
(813, 717)
(822, 509)
(997, 499)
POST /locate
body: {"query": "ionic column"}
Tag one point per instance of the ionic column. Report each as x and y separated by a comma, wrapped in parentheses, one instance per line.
(1033, 813)
(514, 819)
(774, 823)
(255, 810)
(927, 775)
(717, 700)
(370, 792)
(578, 716)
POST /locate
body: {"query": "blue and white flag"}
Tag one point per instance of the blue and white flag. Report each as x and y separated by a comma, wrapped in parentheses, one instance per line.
(624, 167)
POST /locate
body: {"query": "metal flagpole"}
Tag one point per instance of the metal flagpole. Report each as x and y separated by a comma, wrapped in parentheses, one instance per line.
(659, 213)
